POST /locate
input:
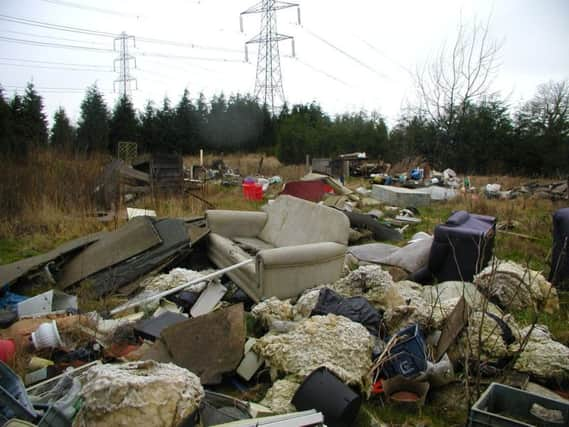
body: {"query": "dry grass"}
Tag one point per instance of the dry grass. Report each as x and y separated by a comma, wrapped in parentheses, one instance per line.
(248, 164)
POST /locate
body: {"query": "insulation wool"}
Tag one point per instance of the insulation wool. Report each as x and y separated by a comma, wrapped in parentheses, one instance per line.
(279, 396)
(138, 393)
(176, 277)
(306, 303)
(362, 280)
(332, 341)
(273, 309)
(542, 357)
(517, 287)
(486, 330)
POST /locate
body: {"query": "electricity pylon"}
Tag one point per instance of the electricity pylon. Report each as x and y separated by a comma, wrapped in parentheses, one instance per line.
(269, 82)
(125, 78)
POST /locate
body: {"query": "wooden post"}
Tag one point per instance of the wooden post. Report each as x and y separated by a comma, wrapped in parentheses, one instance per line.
(201, 157)
(308, 168)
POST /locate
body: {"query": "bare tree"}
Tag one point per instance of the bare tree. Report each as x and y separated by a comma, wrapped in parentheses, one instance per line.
(548, 110)
(458, 75)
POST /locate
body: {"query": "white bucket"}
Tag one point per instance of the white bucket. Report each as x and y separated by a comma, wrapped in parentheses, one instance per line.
(47, 336)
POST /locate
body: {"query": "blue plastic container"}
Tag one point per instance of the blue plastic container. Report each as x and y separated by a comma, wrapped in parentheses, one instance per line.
(408, 356)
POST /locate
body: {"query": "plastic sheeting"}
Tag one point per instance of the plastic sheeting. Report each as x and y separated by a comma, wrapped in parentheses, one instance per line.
(357, 309)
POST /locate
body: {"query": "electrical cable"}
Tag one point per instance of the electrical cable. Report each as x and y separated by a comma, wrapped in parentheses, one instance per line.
(56, 45)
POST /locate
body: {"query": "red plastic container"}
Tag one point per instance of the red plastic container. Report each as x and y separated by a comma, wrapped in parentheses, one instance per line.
(7, 351)
(252, 191)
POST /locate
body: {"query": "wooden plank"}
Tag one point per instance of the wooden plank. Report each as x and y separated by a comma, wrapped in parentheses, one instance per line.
(133, 173)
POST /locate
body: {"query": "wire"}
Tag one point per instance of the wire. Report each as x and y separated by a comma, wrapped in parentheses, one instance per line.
(53, 89)
(48, 44)
(330, 76)
(346, 54)
(53, 63)
(23, 33)
(185, 44)
(47, 67)
(91, 8)
(71, 29)
(196, 58)
(96, 33)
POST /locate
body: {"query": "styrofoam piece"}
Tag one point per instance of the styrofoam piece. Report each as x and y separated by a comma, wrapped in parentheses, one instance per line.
(251, 361)
(46, 303)
(208, 299)
(134, 212)
(47, 336)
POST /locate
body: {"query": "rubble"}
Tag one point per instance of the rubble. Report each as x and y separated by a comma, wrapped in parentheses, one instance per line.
(332, 341)
(516, 287)
(139, 393)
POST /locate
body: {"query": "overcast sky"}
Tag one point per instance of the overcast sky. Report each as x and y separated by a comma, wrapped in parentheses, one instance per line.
(376, 43)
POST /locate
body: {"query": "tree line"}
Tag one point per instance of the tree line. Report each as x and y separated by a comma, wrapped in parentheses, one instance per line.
(484, 136)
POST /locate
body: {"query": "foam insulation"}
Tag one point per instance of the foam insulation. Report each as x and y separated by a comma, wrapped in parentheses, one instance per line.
(138, 394)
(332, 341)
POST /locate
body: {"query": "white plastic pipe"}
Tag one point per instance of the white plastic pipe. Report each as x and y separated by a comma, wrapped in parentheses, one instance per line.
(205, 278)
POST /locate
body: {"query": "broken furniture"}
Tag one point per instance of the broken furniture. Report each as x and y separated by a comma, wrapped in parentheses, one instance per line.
(502, 405)
(296, 245)
(109, 261)
(398, 196)
(166, 171)
(323, 391)
(559, 274)
(49, 302)
(312, 191)
(462, 247)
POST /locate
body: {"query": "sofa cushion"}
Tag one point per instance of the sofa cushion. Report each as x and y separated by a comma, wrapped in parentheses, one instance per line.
(251, 244)
(292, 221)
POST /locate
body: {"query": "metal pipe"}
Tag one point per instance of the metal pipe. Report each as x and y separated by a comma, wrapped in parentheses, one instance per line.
(205, 278)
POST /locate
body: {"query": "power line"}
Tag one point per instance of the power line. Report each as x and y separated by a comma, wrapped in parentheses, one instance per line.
(91, 8)
(185, 44)
(53, 63)
(48, 67)
(56, 45)
(23, 33)
(346, 54)
(330, 76)
(53, 89)
(31, 22)
(78, 30)
(195, 58)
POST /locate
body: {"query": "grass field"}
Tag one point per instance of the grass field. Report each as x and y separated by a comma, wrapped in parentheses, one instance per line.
(49, 200)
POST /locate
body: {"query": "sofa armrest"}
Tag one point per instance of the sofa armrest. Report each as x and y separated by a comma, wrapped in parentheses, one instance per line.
(236, 223)
(288, 271)
(300, 255)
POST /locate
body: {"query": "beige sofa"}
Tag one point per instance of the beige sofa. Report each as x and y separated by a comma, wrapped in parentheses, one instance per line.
(296, 244)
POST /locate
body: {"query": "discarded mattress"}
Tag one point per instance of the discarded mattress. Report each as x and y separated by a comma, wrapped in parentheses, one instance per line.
(407, 197)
